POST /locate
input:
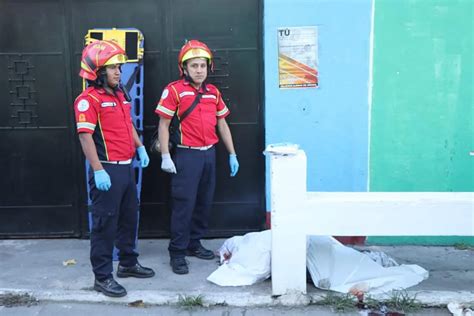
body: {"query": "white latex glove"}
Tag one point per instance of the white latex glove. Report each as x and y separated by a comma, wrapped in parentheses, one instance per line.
(167, 165)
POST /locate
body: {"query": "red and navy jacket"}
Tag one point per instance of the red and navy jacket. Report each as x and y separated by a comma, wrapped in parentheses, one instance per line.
(107, 118)
(199, 127)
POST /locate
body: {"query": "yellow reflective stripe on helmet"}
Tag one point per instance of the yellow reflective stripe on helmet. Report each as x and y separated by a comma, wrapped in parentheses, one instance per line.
(195, 53)
(116, 59)
(85, 66)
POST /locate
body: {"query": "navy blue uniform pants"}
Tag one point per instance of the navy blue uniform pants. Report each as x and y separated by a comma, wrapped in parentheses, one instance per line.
(114, 220)
(192, 192)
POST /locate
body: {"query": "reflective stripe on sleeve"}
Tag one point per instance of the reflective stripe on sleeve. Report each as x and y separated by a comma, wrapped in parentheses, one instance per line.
(86, 125)
(222, 112)
(164, 110)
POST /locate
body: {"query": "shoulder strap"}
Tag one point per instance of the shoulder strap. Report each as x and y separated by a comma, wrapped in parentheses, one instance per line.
(191, 108)
(133, 77)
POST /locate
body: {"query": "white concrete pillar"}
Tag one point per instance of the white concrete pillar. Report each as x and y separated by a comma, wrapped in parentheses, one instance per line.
(288, 195)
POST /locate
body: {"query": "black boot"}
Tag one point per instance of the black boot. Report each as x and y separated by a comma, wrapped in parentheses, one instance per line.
(110, 287)
(201, 253)
(136, 271)
(179, 265)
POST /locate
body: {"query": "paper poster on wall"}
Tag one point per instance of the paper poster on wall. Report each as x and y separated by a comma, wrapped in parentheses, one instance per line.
(298, 57)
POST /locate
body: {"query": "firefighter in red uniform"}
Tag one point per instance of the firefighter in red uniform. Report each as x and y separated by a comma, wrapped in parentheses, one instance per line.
(109, 142)
(193, 164)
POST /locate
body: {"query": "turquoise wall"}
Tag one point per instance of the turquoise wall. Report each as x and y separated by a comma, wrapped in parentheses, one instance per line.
(422, 110)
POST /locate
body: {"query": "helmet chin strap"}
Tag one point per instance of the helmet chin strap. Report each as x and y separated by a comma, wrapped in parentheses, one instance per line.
(102, 82)
(188, 78)
(125, 92)
(193, 83)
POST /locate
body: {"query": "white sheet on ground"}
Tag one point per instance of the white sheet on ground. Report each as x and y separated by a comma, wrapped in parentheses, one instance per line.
(336, 267)
(245, 260)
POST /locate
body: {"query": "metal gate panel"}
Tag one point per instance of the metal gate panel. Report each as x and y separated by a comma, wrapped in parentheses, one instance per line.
(38, 186)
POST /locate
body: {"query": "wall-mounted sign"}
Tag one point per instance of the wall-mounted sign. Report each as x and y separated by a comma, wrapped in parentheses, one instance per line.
(298, 57)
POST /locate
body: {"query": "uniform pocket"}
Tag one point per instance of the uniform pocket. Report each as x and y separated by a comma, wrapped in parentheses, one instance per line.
(102, 211)
(179, 187)
(97, 223)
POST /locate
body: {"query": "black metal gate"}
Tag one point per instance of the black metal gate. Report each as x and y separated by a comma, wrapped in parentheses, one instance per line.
(42, 185)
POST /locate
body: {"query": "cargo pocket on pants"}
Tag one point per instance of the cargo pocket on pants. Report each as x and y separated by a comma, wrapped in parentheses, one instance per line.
(100, 218)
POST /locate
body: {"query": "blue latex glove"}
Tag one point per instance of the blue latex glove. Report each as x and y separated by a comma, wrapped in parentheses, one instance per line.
(234, 164)
(102, 180)
(144, 159)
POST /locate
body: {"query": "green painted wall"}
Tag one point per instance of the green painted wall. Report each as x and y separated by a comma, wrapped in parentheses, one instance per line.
(422, 106)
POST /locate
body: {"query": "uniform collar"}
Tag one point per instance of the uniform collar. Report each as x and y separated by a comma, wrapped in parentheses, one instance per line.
(203, 88)
(103, 91)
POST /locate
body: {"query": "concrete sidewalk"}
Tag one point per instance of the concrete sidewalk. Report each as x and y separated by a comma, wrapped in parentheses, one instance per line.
(36, 267)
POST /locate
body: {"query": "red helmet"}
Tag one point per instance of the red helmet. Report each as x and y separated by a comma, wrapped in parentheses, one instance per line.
(194, 49)
(98, 54)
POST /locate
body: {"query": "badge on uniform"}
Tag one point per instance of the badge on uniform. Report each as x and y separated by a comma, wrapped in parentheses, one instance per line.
(165, 93)
(107, 104)
(83, 105)
(185, 93)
